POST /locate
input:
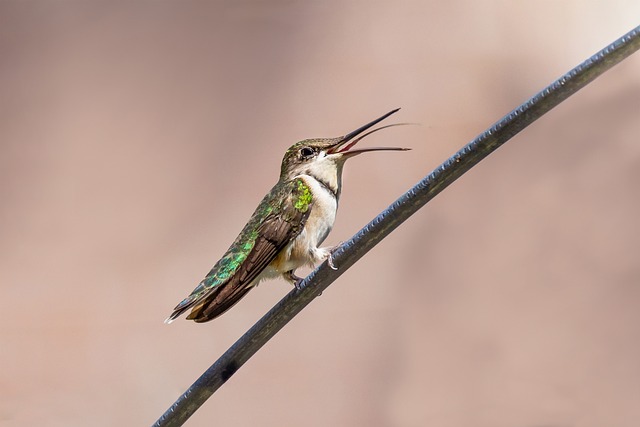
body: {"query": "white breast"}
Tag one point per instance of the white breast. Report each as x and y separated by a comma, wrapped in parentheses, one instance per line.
(323, 212)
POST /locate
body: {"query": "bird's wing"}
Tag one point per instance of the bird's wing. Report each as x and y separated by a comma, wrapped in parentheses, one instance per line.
(273, 226)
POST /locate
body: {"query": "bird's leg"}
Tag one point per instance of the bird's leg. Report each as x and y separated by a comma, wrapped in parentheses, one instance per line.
(293, 279)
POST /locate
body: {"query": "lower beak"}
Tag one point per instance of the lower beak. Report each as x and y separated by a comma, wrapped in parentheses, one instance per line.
(352, 153)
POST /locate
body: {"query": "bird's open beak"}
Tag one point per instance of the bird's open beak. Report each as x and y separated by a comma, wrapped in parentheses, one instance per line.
(343, 145)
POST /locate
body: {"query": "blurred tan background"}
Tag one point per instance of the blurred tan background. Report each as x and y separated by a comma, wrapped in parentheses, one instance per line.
(136, 139)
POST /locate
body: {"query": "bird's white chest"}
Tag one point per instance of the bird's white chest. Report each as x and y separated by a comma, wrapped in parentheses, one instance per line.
(322, 216)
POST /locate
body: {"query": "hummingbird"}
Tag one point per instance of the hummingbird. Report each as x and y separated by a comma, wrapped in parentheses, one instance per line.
(287, 228)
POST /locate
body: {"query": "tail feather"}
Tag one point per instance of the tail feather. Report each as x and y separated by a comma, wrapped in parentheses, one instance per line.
(208, 301)
(184, 305)
(208, 305)
(216, 304)
(205, 289)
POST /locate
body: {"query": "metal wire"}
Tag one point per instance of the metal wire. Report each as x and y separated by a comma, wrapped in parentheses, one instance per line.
(390, 219)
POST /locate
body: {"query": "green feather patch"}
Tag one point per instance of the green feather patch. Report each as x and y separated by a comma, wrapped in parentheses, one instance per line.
(302, 196)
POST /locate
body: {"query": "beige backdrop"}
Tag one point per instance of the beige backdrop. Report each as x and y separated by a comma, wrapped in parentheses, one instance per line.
(137, 138)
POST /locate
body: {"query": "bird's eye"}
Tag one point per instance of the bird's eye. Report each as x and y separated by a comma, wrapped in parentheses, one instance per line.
(307, 152)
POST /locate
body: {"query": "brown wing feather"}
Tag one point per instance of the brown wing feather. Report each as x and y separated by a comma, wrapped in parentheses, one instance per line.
(273, 235)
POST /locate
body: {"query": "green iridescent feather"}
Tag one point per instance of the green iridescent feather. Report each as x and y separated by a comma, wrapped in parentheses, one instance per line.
(302, 196)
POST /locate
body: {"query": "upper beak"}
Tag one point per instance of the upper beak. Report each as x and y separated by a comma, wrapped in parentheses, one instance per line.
(343, 145)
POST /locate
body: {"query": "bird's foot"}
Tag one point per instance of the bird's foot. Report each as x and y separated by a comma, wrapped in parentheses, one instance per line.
(293, 279)
(328, 255)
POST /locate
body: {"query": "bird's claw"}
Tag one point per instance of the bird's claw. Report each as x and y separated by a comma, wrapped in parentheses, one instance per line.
(330, 262)
(330, 256)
